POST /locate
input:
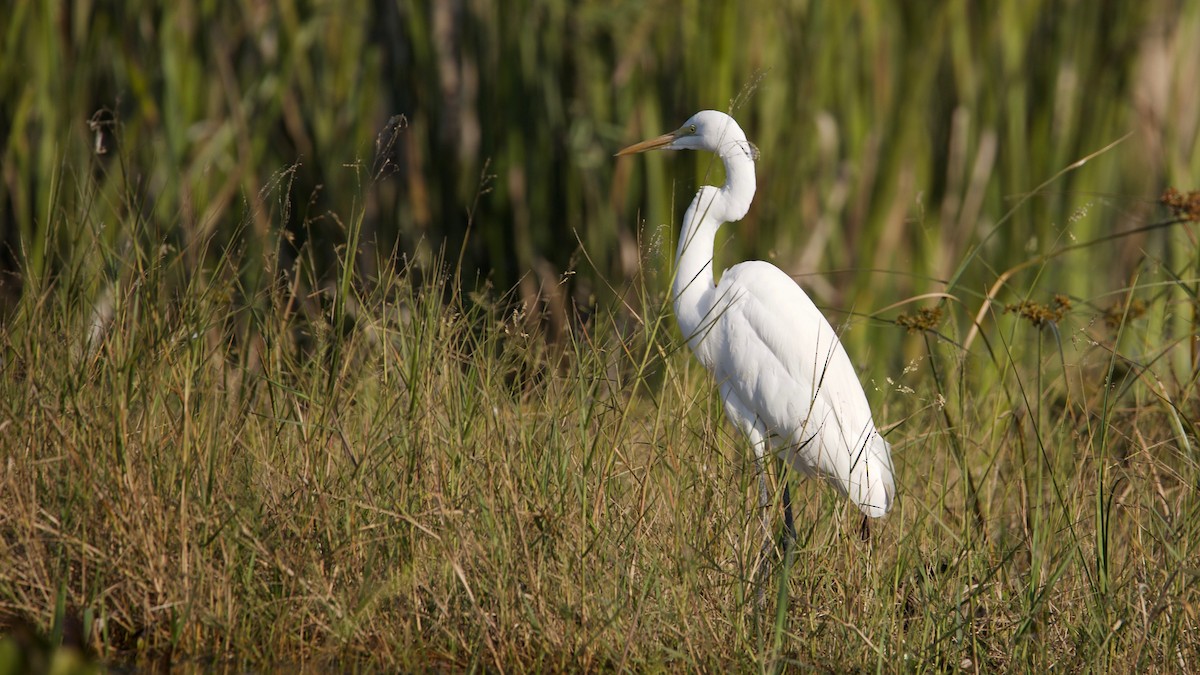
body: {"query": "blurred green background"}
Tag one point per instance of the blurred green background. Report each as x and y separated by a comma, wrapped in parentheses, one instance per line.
(894, 137)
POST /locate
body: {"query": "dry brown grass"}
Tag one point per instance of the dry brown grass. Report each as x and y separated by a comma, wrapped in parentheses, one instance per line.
(424, 484)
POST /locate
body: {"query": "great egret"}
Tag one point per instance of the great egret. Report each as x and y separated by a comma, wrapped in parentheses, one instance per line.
(784, 377)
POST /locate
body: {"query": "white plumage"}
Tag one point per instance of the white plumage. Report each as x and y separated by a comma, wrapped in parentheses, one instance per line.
(783, 375)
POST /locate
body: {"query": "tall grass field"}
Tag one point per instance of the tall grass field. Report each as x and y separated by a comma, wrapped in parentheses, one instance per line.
(333, 337)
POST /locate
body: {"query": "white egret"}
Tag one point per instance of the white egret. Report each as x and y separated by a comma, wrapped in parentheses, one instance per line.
(784, 377)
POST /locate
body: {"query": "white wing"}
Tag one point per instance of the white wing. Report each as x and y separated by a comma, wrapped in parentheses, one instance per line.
(780, 366)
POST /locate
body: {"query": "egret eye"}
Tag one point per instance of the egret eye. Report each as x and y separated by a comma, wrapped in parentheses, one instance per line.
(692, 129)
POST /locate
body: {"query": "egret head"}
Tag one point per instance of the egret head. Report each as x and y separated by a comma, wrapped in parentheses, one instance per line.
(710, 130)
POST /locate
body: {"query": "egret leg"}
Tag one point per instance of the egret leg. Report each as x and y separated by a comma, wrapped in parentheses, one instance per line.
(756, 433)
(764, 504)
(789, 524)
(764, 500)
(787, 538)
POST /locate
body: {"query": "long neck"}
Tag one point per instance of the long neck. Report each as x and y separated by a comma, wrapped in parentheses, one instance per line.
(712, 207)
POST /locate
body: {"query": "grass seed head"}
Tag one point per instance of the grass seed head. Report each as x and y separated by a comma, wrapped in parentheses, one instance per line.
(926, 318)
(1039, 314)
(1115, 314)
(1184, 206)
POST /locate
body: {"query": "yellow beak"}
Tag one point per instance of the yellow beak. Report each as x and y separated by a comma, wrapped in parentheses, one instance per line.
(652, 144)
